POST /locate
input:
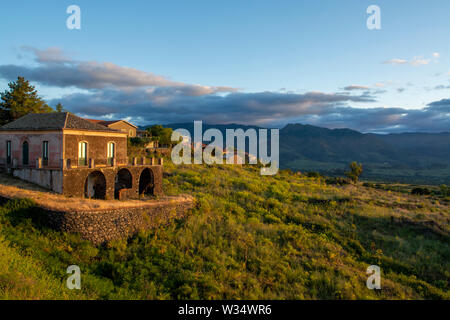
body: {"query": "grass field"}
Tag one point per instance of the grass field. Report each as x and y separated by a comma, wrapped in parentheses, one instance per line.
(250, 237)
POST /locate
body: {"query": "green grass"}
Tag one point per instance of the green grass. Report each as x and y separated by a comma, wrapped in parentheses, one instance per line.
(250, 237)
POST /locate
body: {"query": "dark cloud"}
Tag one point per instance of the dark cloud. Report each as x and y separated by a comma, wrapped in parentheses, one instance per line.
(162, 105)
(441, 87)
(264, 108)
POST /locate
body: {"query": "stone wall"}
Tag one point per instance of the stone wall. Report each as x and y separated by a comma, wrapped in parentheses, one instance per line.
(106, 225)
(46, 178)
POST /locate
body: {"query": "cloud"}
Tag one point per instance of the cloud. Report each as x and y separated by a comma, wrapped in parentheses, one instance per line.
(355, 87)
(419, 61)
(49, 55)
(263, 108)
(163, 106)
(55, 69)
(441, 87)
(416, 61)
(396, 61)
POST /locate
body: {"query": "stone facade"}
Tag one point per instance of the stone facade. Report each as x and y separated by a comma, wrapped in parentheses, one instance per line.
(96, 147)
(74, 178)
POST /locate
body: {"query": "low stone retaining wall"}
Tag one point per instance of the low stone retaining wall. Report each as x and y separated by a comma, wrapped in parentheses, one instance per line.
(106, 225)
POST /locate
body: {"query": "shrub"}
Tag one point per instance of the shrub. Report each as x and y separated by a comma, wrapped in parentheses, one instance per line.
(313, 174)
(355, 171)
(421, 191)
(337, 181)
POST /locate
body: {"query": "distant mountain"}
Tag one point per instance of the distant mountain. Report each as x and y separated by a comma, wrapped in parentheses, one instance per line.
(405, 157)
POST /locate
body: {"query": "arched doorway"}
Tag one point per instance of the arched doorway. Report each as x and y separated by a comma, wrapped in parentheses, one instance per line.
(25, 154)
(146, 182)
(124, 180)
(95, 186)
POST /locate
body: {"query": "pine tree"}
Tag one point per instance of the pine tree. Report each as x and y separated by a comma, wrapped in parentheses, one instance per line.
(59, 107)
(21, 99)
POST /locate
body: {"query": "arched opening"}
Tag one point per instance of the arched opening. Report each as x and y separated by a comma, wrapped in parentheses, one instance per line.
(146, 182)
(95, 186)
(124, 180)
(25, 154)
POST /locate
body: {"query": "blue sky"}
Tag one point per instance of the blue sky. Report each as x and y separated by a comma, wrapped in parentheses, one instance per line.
(256, 62)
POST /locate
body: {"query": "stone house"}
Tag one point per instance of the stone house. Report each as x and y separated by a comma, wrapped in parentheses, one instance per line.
(76, 157)
(121, 125)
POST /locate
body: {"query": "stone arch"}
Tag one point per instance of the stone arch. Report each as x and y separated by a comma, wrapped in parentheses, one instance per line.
(146, 182)
(123, 180)
(95, 186)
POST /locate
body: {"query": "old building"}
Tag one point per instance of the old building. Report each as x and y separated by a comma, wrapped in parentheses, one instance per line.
(76, 157)
(121, 125)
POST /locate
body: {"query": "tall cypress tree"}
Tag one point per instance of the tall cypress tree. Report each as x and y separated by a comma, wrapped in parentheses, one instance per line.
(19, 100)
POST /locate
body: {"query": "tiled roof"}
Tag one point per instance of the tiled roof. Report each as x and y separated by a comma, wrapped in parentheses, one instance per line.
(54, 121)
(103, 122)
(109, 122)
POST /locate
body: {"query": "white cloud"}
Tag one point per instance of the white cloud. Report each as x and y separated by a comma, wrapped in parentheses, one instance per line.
(396, 61)
(416, 61)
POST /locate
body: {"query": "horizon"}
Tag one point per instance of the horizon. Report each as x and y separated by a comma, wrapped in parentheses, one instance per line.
(147, 64)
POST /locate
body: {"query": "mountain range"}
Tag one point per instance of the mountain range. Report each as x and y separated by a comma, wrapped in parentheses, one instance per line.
(422, 158)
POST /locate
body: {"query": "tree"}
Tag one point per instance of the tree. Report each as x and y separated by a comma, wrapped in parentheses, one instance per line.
(21, 99)
(59, 107)
(163, 135)
(355, 171)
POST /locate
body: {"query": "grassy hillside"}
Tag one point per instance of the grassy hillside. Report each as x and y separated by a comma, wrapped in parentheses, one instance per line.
(250, 237)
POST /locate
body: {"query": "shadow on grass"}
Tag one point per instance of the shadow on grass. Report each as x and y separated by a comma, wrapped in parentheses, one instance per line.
(24, 211)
